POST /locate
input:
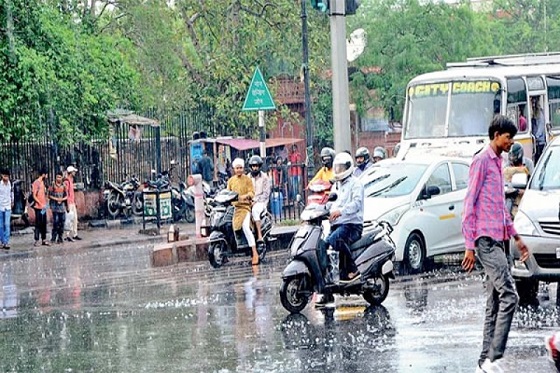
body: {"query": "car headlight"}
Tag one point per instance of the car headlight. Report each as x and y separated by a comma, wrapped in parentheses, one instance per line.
(523, 225)
(393, 216)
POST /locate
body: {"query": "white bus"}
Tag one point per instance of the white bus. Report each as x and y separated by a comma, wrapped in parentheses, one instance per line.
(451, 109)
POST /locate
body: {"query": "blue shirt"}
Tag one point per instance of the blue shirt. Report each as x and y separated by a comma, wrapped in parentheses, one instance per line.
(350, 201)
(358, 171)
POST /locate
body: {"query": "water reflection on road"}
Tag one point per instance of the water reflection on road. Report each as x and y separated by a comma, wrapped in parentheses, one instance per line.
(109, 311)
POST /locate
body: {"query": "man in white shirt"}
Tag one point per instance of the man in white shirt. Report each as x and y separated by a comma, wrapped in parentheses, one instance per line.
(261, 183)
(6, 203)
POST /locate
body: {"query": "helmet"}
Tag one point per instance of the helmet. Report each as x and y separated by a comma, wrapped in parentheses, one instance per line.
(379, 152)
(515, 154)
(327, 156)
(255, 161)
(362, 152)
(343, 166)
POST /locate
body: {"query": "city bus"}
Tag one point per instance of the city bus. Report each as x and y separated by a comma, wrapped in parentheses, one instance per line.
(451, 109)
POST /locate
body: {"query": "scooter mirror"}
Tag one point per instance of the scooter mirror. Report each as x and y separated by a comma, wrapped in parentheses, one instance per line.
(298, 198)
(332, 197)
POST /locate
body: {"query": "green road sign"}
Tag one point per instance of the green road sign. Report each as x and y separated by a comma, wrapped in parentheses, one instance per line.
(258, 97)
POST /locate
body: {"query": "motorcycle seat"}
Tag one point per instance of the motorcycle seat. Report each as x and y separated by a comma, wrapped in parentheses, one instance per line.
(366, 240)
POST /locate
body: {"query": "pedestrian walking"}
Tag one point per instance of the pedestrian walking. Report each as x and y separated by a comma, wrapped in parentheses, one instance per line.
(72, 234)
(39, 193)
(57, 201)
(6, 204)
(486, 226)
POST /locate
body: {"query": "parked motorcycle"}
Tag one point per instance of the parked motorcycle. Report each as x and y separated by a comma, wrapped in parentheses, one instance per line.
(124, 198)
(223, 241)
(182, 203)
(313, 268)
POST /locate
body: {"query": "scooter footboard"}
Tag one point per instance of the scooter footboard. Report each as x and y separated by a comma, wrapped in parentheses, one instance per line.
(295, 268)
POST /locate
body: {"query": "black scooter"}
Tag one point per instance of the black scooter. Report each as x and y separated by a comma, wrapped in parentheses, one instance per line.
(223, 242)
(312, 269)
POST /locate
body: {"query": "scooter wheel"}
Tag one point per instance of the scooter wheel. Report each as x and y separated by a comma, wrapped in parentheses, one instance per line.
(216, 254)
(290, 294)
(189, 215)
(377, 290)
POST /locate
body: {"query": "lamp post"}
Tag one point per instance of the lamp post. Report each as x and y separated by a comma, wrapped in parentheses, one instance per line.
(307, 97)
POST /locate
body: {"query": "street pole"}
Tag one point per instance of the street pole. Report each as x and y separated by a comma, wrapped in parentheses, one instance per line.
(307, 96)
(341, 101)
(262, 135)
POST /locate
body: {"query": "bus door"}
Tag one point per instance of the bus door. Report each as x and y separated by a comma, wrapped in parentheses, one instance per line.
(518, 110)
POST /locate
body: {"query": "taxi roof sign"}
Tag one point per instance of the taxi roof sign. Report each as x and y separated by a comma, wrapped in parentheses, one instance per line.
(258, 96)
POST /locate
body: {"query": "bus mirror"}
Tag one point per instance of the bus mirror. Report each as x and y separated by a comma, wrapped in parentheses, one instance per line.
(497, 106)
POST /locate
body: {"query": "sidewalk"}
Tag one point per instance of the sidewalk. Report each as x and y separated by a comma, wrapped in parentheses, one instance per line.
(21, 242)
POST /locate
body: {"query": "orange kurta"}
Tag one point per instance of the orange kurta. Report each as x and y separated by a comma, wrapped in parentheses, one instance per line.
(243, 186)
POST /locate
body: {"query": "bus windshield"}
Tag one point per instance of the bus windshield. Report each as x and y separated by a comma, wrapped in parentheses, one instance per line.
(450, 109)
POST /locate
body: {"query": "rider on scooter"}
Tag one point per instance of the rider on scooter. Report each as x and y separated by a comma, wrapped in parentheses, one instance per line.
(325, 173)
(346, 215)
(362, 161)
(261, 183)
(243, 186)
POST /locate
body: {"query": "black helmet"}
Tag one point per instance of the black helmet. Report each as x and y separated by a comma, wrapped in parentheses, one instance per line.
(515, 154)
(255, 161)
(327, 157)
(362, 152)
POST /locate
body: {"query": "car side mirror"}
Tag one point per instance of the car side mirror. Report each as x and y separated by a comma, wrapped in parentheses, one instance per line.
(519, 181)
(429, 191)
(332, 197)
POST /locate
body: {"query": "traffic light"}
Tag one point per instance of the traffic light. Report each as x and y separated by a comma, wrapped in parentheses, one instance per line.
(320, 5)
(351, 6)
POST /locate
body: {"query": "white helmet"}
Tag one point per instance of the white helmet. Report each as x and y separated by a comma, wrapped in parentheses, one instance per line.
(343, 166)
(379, 152)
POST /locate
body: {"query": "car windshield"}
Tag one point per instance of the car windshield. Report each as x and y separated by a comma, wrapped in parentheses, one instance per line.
(547, 174)
(393, 180)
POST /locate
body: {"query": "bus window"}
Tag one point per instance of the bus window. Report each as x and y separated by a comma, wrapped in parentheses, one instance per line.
(471, 107)
(553, 83)
(427, 105)
(517, 103)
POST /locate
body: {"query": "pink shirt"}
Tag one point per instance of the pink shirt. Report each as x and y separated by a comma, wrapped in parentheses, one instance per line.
(485, 212)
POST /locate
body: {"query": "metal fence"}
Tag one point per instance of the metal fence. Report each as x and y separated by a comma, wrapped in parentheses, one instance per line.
(131, 151)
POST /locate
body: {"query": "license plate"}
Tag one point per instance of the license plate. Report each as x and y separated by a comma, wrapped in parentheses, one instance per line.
(558, 253)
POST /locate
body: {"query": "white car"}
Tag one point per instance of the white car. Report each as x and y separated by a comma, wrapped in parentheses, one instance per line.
(538, 222)
(423, 200)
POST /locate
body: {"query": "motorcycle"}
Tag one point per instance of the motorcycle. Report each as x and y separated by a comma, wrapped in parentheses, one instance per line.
(182, 203)
(123, 198)
(313, 268)
(318, 192)
(223, 242)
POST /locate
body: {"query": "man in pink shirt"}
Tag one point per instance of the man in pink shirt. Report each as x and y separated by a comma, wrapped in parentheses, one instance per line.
(69, 182)
(486, 225)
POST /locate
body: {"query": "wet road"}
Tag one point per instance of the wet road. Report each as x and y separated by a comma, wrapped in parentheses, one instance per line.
(107, 310)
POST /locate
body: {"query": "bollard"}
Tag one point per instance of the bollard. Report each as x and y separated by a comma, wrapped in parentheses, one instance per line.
(198, 203)
(171, 234)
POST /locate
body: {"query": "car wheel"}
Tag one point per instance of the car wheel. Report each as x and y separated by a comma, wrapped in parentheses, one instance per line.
(528, 290)
(414, 254)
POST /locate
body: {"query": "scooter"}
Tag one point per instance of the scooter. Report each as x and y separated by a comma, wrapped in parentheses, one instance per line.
(182, 203)
(318, 192)
(313, 268)
(223, 242)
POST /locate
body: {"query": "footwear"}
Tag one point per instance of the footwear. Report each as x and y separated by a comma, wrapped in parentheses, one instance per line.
(60, 240)
(351, 278)
(6, 247)
(46, 243)
(492, 366)
(36, 243)
(69, 239)
(77, 238)
(324, 300)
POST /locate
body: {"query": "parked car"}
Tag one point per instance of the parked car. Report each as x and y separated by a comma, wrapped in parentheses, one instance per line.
(538, 222)
(422, 199)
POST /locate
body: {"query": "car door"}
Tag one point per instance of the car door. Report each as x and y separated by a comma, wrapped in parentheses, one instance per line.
(460, 177)
(439, 211)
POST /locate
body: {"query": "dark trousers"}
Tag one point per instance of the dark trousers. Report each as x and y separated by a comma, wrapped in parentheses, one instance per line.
(58, 226)
(538, 152)
(501, 298)
(40, 225)
(340, 238)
